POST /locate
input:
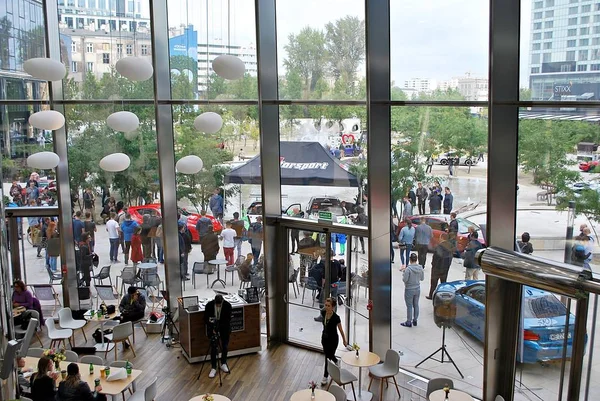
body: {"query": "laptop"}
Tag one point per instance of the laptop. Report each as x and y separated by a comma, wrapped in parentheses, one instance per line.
(190, 303)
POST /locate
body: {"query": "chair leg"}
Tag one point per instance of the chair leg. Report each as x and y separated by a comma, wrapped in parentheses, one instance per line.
(143, 328)
(370, 382)
(396, 384)
(303, 291)
(381, 390)
(39, 339)
(353, 393)
(132, 350)
(84, 336)
(106, 352)
(133, 329)
(329, 385)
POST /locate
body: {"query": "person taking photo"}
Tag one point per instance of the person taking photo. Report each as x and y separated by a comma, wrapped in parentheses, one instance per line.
(217, 317)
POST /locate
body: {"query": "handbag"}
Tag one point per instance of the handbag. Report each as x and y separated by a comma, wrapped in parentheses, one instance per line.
(402, 245)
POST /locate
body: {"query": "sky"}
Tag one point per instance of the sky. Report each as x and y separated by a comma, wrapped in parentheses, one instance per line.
(437, 39)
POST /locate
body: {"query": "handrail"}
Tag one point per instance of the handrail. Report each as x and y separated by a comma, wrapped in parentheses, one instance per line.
(557, 277)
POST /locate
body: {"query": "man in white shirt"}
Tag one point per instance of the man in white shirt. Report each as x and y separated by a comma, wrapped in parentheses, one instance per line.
(228, 237)
(112, 226)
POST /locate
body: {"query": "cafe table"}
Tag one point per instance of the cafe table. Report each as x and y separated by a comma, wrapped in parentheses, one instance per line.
(218, 263)
(103, 346)
(216, 397)
(454, 395)
(111, 388)
(364, 360)
(145, 268)
(304, 395)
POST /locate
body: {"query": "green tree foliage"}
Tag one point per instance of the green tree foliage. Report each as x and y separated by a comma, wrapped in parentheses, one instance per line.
(307, 55)
(345, 44)
(543, 149)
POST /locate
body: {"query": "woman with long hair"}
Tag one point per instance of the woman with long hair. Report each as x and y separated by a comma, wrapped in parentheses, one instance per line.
(74, 389)
(43, 382)
(329, 337)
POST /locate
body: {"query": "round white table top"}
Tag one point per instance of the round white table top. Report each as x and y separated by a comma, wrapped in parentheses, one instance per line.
(365, 358)
(217, 397)
(217, 261)
(454, 395)
(304, 395)
(147, 265)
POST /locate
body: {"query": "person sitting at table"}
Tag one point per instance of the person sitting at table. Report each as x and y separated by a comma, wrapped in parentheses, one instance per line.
(246, 267)
(23, 297)
(23, 382)
(132, 307)
(44, 381)
(75, 389)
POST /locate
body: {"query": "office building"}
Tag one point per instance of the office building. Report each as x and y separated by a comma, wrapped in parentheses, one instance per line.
(564, 59)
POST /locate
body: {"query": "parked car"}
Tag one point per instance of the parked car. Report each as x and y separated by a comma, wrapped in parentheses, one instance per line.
(589, 166)
(444, 159)
(543, 319)
(439, 224)
(138, 212)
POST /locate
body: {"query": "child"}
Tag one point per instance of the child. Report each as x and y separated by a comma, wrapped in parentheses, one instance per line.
(136, 246)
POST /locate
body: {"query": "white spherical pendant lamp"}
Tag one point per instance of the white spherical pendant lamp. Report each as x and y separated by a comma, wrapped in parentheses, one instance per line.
(43, 160)
(189, 165)
(208, 122)
(47, 119)
(124, 121)
(115, 162)
(134, 68)
(45, 68)
(229, 67)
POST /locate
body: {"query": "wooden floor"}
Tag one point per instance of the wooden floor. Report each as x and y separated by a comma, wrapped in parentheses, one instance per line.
(273, 374)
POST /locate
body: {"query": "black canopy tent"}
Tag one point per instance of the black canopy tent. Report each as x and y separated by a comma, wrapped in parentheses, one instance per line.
(301, 163)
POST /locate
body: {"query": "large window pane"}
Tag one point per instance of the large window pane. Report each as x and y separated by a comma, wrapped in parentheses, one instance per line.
(201, 31)
(91, 47)
(438, 166)
(20, 40)
(320, 56)
(435, 58)
(324, 147)
(558, 75)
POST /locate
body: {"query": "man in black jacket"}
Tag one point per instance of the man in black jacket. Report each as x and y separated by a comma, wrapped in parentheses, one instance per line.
(217, 317)
(440, 265)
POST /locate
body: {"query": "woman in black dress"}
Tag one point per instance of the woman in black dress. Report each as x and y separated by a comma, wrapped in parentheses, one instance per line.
(75, 389)
(329, 337)
(43, 382)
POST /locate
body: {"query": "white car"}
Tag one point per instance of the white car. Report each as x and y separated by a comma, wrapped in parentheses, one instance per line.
(444, 159)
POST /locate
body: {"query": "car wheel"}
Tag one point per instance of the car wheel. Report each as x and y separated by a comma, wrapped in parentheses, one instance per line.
(468, 162)
(444, 162)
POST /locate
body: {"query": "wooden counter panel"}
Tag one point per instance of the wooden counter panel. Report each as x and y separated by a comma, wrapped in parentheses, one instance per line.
(193, 332)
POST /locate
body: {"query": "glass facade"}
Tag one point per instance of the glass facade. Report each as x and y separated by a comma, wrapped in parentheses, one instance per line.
(347, 132)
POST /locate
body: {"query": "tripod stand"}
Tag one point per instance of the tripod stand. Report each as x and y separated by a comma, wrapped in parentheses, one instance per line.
(443, 351)
(215, 341)
(166, 332)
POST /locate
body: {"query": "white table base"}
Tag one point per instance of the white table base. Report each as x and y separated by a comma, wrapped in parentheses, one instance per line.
(360, 395)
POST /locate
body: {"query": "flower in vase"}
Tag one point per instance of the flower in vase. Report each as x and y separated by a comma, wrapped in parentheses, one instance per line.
(312, 385)
(355, 347)
(208, 397)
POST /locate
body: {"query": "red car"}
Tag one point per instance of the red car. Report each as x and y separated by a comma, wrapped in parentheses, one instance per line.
(137, 213)
(589, 167)
(439, 224)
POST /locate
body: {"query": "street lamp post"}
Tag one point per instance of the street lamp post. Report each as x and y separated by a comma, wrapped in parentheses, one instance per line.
(569, 235)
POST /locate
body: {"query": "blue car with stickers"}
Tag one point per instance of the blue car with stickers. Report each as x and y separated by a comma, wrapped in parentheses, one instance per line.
(543, 319)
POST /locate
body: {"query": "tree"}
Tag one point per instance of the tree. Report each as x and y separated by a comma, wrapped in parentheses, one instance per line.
(306, 54)
(346, 48)
(543, 149)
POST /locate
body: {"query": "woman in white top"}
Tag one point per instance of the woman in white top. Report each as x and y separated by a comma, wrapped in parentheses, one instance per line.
(228, 235)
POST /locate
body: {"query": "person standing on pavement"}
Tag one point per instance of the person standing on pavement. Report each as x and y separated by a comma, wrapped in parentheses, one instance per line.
(137, 254)
(228, 235)
(423, 235)
(412, 197)
(203, 225)
(78, 227)
(88, 202)
(412, 276)
(406, 208)
(421, 197)
(406, 237)
(448, 200)
(453, 231)
(440, 265)
(429, 164)
(524, 245)
(112, 227)
(120, 219)
(210, 246)
(240, 233)
(435, 202)
(127, 228)
(216, 205)
(470, 263)
(145, 236)
(90, 227)
(256, 238)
